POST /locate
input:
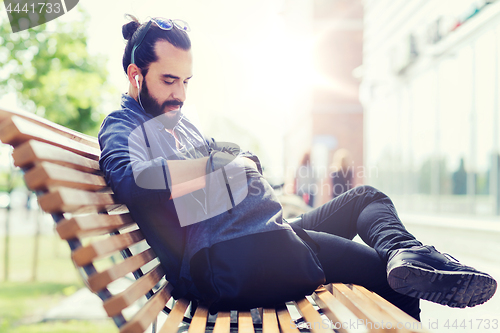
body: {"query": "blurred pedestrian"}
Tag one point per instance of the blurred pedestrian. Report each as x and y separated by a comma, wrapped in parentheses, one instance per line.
(305, 181)
(341, 173)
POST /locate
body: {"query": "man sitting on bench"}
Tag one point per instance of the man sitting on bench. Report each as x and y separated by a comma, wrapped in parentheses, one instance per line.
(152, 156)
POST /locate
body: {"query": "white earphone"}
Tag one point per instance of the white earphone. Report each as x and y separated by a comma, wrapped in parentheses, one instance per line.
(136, 77)
(137, 80)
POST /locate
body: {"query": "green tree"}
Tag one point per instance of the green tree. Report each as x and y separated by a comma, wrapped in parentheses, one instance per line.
(53, 74)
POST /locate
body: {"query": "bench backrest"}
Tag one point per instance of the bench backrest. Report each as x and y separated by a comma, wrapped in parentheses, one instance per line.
(62, 167)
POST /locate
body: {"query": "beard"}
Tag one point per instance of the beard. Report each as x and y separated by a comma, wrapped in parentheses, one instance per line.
(169, 119)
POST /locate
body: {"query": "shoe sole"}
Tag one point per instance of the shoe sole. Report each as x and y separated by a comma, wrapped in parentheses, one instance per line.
(454, 289)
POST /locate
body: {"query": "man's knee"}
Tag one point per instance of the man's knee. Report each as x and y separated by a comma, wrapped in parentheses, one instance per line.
(363, 189)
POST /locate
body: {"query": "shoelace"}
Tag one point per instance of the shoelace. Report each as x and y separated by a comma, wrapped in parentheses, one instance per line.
(449, 256)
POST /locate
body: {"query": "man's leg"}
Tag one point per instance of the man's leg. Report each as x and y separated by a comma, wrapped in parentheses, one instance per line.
(363, 211)
(345, 261)
(333, 226)
(412, 268)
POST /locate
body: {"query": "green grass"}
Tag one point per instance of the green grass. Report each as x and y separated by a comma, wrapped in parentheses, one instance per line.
(23, 302)
(71, 326)
(54, 263)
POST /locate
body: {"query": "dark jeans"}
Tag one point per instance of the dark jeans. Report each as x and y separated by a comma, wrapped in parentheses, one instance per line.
(369, 213)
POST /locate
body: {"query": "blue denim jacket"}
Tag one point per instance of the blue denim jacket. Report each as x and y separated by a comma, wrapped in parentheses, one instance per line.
(126, 153)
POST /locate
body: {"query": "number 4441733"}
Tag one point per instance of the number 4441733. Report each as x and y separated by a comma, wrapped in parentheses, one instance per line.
(472, 324)
(40, 7)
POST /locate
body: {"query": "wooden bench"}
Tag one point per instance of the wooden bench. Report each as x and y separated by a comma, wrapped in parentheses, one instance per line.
(61, 165)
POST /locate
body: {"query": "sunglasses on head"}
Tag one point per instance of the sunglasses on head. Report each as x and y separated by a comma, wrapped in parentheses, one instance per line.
(162, 23)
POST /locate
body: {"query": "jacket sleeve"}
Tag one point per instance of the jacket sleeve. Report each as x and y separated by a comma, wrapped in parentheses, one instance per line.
(134, 177)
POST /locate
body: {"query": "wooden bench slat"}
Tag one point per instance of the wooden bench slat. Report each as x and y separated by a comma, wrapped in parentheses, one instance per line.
(86, 254)
(245, 322)
(92, 224)
(382, 316)
(16, 131)
(145, 316)
(117, 209)
(399, 315)
(138, 289)
(199, 320)
(65, 199)
(175, 317)
(69, 133)
(269, 321)
(285, 320)
(337, 312)
(100, 280)
(366, 311)
(312, 317)
(223, 322)
(45, 174)
(33, 151)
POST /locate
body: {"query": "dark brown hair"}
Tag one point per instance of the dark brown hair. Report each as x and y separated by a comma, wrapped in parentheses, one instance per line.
(145, 54)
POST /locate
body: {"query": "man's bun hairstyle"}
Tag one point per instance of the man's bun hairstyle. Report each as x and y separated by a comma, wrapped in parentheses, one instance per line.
(145, 54)
(129, 28)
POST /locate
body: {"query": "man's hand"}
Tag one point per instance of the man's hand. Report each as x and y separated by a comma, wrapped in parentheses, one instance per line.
(234, 150)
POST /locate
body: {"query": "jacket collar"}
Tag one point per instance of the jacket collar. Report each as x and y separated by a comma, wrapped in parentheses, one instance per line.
(130, 103)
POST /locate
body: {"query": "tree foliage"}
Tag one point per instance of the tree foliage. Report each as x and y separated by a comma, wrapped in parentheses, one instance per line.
(53, 74)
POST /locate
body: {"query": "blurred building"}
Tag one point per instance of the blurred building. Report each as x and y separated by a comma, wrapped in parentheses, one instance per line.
(334, 119)
(430, 92)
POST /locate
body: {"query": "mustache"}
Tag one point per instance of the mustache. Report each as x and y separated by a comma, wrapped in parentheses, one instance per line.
(172, 103)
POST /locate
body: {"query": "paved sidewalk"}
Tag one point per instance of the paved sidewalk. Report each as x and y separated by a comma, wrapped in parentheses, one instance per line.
(85, 305)
(82, 305)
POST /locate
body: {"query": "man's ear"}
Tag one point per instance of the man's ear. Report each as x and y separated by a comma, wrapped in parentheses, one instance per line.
(134, 75)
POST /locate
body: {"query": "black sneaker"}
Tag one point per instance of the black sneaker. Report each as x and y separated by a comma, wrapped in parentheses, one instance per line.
(423, 272)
